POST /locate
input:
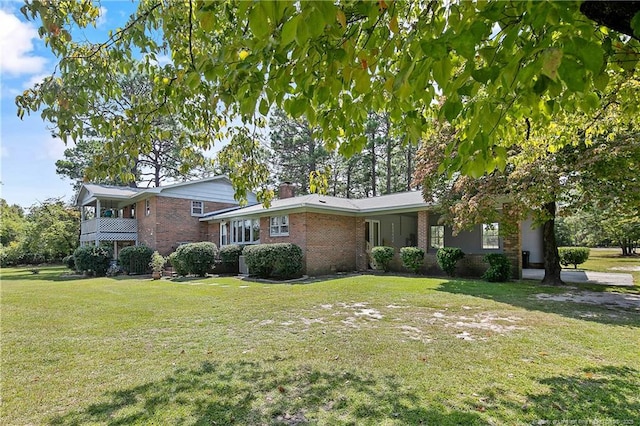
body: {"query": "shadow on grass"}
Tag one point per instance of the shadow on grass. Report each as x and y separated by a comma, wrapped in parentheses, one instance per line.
(265, 393)
(524, 295)
(607, 395)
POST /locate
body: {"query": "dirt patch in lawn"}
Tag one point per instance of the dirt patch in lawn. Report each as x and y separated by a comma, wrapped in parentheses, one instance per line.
(611, 300)
(407, 322)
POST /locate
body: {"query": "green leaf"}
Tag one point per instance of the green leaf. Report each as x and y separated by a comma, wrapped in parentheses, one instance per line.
(207, 20)
(592, 56)
(635, 24)
(541, 84)
(572, 74)
(258, 22)
(264, 107)
(289, 30)
(451, 109)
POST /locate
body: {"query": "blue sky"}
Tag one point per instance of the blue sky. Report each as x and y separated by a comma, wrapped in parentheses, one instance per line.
(27, 151)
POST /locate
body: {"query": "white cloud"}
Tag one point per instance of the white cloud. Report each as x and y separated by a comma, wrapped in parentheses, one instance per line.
(53, 148)
(16, 46)
(102, 17)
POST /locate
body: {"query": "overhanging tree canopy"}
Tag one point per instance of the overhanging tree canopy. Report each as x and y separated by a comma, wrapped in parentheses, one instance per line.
(501, 67)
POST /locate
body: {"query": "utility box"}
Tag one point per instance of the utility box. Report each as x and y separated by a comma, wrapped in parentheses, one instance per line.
(242, 266)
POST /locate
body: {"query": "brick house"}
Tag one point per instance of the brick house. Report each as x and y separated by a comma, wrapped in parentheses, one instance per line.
(161, 218)
(336, 234)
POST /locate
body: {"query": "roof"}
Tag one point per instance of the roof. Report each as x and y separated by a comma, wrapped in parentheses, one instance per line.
(404, 201)
(95, 190)
(92, 191)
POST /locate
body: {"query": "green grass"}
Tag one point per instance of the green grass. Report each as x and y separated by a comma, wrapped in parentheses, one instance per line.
(358, 350)
(608, 260)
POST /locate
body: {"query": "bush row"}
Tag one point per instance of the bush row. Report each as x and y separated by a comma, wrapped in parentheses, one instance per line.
(447, 258)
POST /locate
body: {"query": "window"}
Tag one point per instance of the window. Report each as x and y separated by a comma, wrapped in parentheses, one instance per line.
(147, 207)
(197, 208)
(436, 236)
(240, 231)
(490, 236)
(279, 226)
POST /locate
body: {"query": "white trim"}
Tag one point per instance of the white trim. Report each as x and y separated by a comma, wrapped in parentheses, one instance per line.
(193, 207)
(493, 233)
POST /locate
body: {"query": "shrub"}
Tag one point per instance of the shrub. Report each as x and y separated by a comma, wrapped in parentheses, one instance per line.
(573, 256)
(92, 259)
(382, 256)
(70, 262)
(231, 253)
(177, 264)
(448, 257)
(135, 259)
(195, 258)
(412, 258)
(499, 268)
(157, 262)
(281, 260)
(12, 255)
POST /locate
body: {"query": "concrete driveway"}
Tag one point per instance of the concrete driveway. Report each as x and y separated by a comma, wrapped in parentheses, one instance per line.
(570, 276)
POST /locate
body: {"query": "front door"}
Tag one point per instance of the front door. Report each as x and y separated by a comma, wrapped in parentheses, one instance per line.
(372, 237)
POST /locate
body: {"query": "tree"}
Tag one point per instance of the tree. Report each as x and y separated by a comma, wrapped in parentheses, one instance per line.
(165, 156)
(497, 64)
(12, 222)
(536, 179)
(297, 151)
(52, 230)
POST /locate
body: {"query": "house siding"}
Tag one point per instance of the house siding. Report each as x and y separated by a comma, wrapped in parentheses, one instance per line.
(170, 223)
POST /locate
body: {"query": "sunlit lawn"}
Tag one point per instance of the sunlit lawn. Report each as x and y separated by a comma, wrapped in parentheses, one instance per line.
(611, 260)
(356, 350)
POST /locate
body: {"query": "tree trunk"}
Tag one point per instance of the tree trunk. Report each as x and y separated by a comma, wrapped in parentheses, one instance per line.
(409, 171)
(552, 267)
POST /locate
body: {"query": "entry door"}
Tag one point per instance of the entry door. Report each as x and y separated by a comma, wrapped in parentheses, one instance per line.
(372, 233)
(372, 237)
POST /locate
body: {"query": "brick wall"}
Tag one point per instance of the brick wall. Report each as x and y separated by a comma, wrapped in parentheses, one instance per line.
(331, 243)
(170, 223)
(147, 224)
(328, 242)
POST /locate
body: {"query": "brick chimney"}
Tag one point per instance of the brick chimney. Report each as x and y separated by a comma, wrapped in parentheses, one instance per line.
(286, 190)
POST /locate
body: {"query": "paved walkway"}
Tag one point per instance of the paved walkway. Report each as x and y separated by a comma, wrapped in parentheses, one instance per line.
(568, 276)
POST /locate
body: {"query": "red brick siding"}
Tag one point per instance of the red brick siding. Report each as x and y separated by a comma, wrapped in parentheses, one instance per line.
(147, 224)
(170, 223)
(331, 243)
(328, 242)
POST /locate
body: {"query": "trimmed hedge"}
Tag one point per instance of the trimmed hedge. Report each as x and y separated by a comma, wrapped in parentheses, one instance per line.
(194, 258)
(177, 264)
(412, 258)
(499, 268)
(573, 256)
(231, 253)
(281, 260)
(135, 259)
(92, 259)
(382, 256)
(448, 257)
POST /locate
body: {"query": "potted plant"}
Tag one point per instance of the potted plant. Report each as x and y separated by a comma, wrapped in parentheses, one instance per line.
(157, 265)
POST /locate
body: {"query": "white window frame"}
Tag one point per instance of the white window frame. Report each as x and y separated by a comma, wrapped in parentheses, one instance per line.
(436, 231)
(147, 207)
(279, 226)
(235, 231)
(194, 203)
(490, 236)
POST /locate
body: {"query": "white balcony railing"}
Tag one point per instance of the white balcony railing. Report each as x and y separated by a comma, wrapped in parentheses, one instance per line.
(109, 225)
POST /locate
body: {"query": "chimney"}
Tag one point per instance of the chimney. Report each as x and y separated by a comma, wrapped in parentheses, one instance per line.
(286, 190)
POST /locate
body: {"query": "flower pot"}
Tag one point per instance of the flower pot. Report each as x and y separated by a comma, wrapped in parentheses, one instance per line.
(156, 275)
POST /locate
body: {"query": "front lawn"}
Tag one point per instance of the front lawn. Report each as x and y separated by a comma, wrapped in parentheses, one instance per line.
(356, 350)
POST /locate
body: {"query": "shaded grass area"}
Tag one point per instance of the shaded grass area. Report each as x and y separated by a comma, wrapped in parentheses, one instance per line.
(357, 350)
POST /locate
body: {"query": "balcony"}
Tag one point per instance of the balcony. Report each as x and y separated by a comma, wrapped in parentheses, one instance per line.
(109, 229)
